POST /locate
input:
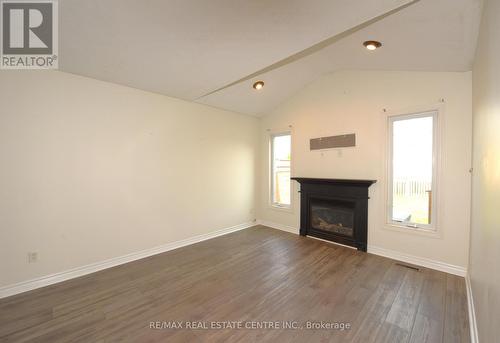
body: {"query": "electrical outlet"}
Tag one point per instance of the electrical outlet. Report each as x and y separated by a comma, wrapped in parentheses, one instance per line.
(32, 257)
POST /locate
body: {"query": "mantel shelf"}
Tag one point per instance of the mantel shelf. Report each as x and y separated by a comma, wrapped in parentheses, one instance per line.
(345, 182)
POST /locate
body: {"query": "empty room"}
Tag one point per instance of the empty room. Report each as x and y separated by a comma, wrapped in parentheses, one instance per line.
(250, 171)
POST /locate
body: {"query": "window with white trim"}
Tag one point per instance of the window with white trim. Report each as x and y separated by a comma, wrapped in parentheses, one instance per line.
(412, 173)
(281, 145)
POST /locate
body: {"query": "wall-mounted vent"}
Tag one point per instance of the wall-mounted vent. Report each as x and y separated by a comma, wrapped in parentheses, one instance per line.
(332, 142)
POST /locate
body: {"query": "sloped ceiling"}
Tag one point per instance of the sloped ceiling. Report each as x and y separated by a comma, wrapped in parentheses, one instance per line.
(212, 51)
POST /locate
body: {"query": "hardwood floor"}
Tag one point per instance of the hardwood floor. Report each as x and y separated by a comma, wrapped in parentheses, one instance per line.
(253, 276)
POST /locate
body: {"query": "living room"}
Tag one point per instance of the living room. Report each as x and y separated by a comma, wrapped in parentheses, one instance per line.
(249, 171)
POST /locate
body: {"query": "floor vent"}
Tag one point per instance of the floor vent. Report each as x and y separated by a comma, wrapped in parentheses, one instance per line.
(408, 266)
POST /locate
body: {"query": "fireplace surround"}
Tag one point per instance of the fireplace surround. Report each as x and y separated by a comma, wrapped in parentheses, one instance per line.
(335, 210)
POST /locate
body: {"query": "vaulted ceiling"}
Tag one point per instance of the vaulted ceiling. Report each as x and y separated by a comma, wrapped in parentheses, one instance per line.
(213, 51)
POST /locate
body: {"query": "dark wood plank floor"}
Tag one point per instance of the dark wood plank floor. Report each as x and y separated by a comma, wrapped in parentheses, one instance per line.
(253, 276)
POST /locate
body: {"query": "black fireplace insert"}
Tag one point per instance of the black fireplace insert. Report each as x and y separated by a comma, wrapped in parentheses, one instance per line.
(335, 210)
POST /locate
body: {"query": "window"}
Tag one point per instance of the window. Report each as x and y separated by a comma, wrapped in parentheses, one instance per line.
(280, 169)
(412, 170)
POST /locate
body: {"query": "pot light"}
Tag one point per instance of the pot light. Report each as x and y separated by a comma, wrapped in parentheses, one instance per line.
(258, 85)
(372, 44)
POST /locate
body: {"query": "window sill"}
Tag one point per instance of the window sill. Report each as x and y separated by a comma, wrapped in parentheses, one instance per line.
(288, 209)
(426, 232)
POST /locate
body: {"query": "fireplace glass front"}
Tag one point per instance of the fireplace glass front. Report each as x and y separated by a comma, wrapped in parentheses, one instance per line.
(334, 216)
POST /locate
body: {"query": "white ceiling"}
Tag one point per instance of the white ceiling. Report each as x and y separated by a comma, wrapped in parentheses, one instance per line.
(190, 48)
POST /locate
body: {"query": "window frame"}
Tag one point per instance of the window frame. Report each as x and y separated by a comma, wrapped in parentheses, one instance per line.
(272, 203)
(436, 146)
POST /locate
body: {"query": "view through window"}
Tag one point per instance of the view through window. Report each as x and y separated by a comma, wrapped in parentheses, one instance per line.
(280, 169)
(412, 174)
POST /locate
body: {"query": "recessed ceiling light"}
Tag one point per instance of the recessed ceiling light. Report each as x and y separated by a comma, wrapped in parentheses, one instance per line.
(258, 85)
(372, 44)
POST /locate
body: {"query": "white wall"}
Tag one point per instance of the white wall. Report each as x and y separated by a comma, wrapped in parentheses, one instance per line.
(91, 170)
(485, 229)
(353, 102)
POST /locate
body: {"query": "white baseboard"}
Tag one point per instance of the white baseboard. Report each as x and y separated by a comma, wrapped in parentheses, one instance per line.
(278, 226)
(474, 338)
(43, 281)
(419, 261)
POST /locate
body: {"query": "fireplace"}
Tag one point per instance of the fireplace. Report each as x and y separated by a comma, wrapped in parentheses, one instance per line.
(335, 210)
